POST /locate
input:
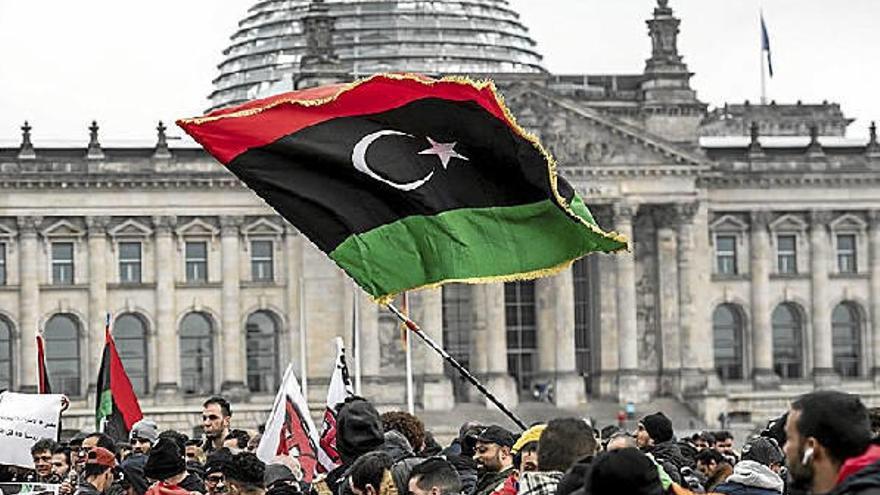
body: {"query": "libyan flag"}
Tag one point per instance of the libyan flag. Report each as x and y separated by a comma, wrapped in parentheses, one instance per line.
(408, 182)
(117, 408)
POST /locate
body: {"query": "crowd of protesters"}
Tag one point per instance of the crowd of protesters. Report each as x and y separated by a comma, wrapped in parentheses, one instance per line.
(826, 443)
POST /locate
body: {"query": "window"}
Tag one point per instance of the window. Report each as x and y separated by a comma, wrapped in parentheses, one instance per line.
(196, 354)
(457, 333)
(262, 352)
(2, 263)
(130, 334)
(62, 263)
(130, 262)
(846, 253)
(584, 303)
(62, 354)
(725, 254)
(787, 338)
(262, 263)
(727, 333)
(522, 339)
(786, 254)
(846, 340)
(5, 354)
(196, 262)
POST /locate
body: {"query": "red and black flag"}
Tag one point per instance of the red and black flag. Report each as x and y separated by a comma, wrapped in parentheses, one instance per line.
(408, 182)
(43, 385)
(117, 408)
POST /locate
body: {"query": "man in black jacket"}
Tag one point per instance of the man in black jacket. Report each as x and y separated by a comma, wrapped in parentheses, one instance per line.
(828, 447)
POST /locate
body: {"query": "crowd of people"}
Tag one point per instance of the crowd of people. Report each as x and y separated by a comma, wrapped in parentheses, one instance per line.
(826, 443)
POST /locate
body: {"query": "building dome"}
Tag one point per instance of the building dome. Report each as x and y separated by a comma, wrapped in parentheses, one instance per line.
(426, 36)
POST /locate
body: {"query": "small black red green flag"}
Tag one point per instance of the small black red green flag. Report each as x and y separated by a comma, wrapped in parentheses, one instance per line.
(408, 182)
(117, 408)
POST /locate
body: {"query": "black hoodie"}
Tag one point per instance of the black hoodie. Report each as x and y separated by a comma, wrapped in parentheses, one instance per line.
(864, 482)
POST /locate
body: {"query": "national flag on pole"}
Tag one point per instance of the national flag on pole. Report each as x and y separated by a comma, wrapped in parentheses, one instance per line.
(290, 429)
(765, 45)
(340, 388)
(43, 385)
(408, 182)
(116, 407)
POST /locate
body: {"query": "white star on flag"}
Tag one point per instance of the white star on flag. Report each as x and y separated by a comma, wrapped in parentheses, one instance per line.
(446, 152)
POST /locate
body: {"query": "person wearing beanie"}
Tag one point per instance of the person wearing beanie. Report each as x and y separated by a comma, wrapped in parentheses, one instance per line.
(656, 437)
(755, 474)
(166, 462)
(624, 471)
(216, 467)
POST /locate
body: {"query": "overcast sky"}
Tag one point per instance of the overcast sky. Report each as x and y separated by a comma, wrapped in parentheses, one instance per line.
(129, 64)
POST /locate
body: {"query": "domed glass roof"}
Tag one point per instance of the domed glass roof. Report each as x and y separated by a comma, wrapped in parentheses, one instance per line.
(435, 37)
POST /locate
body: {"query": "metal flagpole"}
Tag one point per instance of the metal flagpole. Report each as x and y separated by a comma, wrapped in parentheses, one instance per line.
(763, 70)
(410, 400)
(303, 358)
(413, 327)
(356, 341)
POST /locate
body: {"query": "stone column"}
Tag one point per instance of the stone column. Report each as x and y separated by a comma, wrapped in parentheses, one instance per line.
(292, 273)
(371, 354)
(667, 220)
(629, 382)
(168, 359)
(437, 392)
(606, 280)
(233, 343)
(98, 264)
(760, 261)
(874, 217)
(556, 339)
(491, 342)
(29, 301)
(823, 351)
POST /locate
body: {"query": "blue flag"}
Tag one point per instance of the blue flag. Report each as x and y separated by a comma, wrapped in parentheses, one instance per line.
(765, 44)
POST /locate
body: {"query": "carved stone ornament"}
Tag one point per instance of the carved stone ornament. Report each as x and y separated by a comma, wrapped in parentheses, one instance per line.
(761, 219)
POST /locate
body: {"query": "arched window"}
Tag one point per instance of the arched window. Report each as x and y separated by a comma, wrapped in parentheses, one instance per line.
(522, 334)
(262, 352)
(727, 334)
(62, 354)
(787, 341)
(130, 334)
(5, 354)
(196, 354)
(846, 337)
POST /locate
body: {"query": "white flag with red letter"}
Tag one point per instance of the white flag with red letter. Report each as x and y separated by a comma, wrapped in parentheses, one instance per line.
(340, 388)
(290, 429)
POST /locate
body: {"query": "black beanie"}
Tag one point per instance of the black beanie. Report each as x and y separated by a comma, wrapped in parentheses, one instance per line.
(626, 471)
(165, 461)
(358, 429)
(658, 427)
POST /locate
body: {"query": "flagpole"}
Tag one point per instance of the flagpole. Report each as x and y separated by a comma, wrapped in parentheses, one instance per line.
(413, 327)
(763, 70)
(356, 342)
(410, 401)
(303, 359)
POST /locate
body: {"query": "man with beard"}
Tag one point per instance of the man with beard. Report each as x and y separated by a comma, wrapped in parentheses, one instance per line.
(493, 458)
(216, 418)
(656, 437)
(61, 463)
(143, 435)
(828, 447)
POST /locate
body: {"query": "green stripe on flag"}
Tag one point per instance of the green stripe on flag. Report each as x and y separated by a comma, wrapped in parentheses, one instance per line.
(469, 244)
(105, 408)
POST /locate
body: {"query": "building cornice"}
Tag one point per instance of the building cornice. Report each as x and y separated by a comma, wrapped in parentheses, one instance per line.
(117, 181)
(764, 181)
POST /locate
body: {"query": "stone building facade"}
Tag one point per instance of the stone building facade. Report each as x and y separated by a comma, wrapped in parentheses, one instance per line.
(754, 274)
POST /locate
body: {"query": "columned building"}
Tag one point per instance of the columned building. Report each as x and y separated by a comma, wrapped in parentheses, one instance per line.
(754, 274)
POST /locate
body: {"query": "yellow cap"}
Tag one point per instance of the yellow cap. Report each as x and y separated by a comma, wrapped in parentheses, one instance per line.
(533, 434)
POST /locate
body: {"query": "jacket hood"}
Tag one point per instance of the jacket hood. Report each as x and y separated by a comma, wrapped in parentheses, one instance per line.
(358, 430)
(855, 464)
(757, 475)
(868, 477)
(670, 452)
(397, 446)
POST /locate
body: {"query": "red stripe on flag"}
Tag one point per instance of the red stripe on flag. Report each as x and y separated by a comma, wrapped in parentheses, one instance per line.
(42, 372)
(230, 132)
(120, 386)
